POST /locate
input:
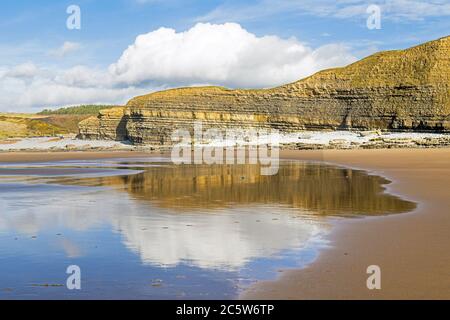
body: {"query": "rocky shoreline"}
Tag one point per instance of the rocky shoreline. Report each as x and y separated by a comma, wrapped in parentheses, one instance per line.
(377, 140)
(402, 90)
(301, 140)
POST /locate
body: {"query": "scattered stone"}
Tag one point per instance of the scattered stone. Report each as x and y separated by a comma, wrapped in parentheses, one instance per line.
(156, 283)
(70, 147)
(369, 133)
(47, 285)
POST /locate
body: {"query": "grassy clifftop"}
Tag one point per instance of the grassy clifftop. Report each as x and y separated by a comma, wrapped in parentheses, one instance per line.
(47, 122)
(88, 109)
(428, 63)
(396, 90)
(15, 126)
(425, 64)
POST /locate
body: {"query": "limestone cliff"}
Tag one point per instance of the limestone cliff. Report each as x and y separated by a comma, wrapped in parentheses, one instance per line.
(404, 89)
(110, 124)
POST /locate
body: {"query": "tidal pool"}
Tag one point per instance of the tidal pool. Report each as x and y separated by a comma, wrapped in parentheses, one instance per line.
(148, 229)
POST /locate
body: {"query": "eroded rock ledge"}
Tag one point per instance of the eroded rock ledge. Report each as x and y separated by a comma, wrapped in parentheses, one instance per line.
(393, 90)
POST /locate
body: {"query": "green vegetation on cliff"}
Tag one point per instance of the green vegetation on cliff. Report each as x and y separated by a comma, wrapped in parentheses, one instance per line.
(89, 109)
(47, 122)
(17, 126)
(395, 90)
(66, 119)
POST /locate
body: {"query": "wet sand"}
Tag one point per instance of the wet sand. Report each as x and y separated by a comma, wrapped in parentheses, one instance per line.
(412, 249)
(24, 157)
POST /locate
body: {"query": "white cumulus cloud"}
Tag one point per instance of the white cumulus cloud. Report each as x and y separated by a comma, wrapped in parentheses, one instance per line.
(224, 54)
(27, 87)
(214, 54)
(24, 70)
(66, 48)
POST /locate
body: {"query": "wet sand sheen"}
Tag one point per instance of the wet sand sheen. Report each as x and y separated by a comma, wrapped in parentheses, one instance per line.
(312, 189)
(322, 190)
(413, 250)
(26, 157)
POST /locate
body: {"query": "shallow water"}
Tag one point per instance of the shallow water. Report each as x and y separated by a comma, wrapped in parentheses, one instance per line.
(147, 229)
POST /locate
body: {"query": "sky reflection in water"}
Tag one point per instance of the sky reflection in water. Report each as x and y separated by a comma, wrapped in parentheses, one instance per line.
(147, 229)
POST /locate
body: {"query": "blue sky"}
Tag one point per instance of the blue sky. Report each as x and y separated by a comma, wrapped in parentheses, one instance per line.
(57, 66)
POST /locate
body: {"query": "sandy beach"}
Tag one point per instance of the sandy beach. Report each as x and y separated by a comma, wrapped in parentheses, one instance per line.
(412, 249)
(25, 157)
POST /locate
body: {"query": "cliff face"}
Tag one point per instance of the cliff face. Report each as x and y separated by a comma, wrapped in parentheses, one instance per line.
(110, 124)
(405, 89)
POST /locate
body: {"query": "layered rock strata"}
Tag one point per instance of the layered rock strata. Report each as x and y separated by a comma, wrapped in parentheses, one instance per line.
(394, 90)
(110, 124)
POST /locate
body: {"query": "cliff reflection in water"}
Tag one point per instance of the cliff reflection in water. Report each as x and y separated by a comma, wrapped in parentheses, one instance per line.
(198, 230)
(317, 189)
